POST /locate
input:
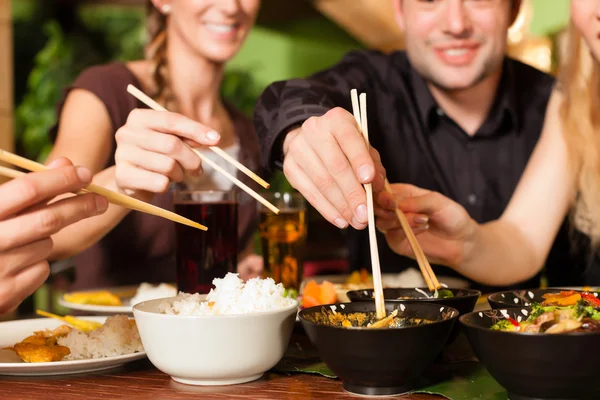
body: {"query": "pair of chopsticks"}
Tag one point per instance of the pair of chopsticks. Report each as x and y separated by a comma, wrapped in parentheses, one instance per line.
(424, 266)
(113, 197)
(360, 115)
(147, 100)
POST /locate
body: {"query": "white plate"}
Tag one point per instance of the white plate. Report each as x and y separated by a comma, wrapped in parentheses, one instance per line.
(104, 310)
(12, 332)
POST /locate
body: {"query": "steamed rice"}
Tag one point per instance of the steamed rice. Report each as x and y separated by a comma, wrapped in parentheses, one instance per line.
(147, 291)
(231, 296)
(118, 336)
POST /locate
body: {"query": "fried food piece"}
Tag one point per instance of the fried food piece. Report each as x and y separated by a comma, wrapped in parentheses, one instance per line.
(36, 353)
(98, 298)
(35, 339)
(62, 330)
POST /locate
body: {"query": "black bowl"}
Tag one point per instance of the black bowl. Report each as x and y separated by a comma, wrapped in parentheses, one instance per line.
(536, 366)
(520, 298)
(382, 361)
(464, 300)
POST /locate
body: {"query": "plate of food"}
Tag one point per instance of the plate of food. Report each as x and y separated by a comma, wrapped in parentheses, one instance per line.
(115, 300)
(47, 346)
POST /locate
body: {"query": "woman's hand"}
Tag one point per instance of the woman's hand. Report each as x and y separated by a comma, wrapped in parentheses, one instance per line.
(152, 150)
(443, 227)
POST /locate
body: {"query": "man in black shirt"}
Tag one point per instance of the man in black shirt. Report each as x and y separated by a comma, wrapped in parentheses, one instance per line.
(451, 114)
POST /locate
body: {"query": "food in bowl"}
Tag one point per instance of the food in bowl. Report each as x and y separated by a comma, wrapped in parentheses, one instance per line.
(378, 361)
(117, 336)
(463, 300)
(567, 311)
(330, 316)
(535, 365)
(231, 295)
(232, 335)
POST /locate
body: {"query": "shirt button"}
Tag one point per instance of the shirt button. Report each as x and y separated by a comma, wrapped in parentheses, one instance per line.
(472, 199)
(440, 112)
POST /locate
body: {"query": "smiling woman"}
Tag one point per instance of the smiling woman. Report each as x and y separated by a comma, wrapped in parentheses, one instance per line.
(190, 43)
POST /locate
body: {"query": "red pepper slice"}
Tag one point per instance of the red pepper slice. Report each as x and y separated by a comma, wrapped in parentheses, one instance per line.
(514, 322)
(590, 298)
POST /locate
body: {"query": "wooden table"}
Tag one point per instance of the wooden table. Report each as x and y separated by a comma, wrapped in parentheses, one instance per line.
(140, 380)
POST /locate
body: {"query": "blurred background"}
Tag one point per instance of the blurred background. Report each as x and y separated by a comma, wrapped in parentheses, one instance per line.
(45, 44)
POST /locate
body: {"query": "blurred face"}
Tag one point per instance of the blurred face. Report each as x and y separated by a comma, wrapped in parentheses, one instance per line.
(214, 29)
(585, 15)
(455, 44)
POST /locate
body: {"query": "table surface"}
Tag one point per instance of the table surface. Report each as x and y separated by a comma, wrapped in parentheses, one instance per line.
(140, 380)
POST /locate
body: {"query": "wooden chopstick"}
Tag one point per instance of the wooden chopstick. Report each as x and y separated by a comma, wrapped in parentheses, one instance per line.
(424, 266)
(361, 119)
(113, 197)
(147, 100)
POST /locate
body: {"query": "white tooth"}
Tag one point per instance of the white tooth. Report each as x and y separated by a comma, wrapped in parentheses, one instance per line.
(455, 52)
(218, 28)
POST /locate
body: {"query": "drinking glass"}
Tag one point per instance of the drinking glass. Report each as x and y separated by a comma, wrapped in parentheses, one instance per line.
(283, 238)
(205, 255)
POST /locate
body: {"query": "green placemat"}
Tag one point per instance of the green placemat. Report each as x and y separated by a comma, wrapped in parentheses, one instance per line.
(455, 380)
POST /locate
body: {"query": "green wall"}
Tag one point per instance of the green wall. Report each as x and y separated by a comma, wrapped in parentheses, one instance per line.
(549, 16)
(294, 50)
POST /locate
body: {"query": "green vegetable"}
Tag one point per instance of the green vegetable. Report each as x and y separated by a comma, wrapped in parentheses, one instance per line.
(582, 310)
(503, 325)
(445, 294)
(537, 309)
(290, 292)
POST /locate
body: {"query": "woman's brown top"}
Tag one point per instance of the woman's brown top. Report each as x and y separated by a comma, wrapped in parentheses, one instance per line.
(142, 247)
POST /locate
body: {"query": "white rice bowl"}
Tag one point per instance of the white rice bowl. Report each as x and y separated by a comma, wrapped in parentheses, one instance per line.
(231, 296)
(232, 335)
(118, 336)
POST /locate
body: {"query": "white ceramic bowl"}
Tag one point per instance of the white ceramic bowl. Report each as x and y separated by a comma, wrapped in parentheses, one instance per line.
(214, 350)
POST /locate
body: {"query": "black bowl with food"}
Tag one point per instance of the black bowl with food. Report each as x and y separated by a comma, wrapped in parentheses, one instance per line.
(525, 298)
(546, 351)
(463, 300)
(384, 360)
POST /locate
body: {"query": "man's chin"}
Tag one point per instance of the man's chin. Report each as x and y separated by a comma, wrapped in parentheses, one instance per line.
(461, 81)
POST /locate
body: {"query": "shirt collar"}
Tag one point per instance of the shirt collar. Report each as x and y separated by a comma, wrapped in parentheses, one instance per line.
(503, 110)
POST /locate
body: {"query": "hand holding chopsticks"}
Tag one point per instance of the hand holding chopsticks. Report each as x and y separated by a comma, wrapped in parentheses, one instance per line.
(27, 223)
(113, 197)
(147, 144)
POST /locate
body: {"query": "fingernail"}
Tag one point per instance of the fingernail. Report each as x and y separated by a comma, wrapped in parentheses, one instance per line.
(101, 204)
(84, 174)
(365, 172)
(361, 214)
(53, 163)
(212, 135)
(421, 228)
(357, 224)
(421, 220)
(341, 223)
